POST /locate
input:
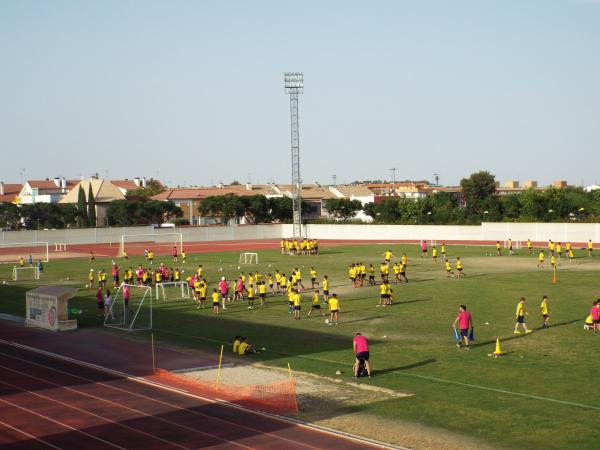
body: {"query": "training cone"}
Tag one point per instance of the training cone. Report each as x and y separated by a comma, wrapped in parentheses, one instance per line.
(498, 351)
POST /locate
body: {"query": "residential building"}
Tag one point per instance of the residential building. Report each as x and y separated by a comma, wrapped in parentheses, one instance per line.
(9, 192)
(103, 191)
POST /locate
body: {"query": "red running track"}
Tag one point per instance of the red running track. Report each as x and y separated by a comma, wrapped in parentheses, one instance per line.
(47, 402)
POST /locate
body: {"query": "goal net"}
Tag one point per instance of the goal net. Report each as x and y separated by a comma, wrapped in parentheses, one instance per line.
(248, 258)
(14, 251)
(26, 273)
(159, 243)
(172, 290)
(132, 315)
(515, 244)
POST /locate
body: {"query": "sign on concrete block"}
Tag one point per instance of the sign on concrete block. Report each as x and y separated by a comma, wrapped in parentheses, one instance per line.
(48, 307)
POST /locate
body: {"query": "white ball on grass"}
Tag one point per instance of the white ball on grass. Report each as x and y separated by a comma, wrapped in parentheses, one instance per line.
(338, 372)
(263, 349)
(327, 321)
(239, 267)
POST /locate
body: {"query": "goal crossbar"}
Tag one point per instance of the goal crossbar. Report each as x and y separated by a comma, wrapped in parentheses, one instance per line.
(181, 287)
(175, 239)
(43, 253)
(248, 258)
(16, 270)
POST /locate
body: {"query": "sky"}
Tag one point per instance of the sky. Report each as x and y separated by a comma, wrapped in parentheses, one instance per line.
(191, 92)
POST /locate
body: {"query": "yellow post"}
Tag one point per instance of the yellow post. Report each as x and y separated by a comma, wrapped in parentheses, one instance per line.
(219, 370)
(554, 276)
(153, 357)
(290, 370)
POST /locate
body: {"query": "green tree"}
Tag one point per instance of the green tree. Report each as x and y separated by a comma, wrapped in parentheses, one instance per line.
(91, 208)
(478, 189)
(153, 187)
(156, 211)
(280, 208)
(82, 219)
(123, 213)
(10, 216)
(343, 208)
(256, 208)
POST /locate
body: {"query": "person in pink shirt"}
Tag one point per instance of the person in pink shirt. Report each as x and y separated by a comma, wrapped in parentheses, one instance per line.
(174, 254)
(115, 275)
(595, 313)
(360, 344)
(465, 322)
(423, 249)
(224, 290)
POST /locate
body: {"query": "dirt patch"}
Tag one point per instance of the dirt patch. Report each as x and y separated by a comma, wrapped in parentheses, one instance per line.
(332, 402)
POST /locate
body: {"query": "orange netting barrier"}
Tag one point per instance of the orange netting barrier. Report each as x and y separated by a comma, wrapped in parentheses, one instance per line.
(279, 397)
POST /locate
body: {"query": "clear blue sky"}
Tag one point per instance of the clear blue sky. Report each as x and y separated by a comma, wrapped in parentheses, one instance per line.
(193, 90)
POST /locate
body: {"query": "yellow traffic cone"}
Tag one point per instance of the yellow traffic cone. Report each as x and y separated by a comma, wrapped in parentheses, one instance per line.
(498, 351)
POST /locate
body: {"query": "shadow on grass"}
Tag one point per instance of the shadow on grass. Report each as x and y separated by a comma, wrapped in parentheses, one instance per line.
(363, 319)
(522, 335)
(425, 362)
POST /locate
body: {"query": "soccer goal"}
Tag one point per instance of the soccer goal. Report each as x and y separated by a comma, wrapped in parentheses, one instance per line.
(172, 290)
(157, 242)
(516, 244)
(14, 250)
(19, 273)
(248, 258)
(134, 316)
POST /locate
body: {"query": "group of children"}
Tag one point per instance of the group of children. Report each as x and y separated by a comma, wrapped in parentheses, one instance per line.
(140, 276)
(40, 266)
(302, 247)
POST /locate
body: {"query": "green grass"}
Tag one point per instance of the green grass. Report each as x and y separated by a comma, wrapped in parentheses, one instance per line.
(412, 343)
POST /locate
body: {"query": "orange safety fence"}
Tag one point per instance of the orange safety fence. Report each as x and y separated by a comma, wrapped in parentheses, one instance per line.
(278, 397)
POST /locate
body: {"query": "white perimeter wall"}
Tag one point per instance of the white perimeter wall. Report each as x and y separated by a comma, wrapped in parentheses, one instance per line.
(560, 232)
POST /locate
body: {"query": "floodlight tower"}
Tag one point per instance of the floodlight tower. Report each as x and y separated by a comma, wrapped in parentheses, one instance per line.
(294, 86)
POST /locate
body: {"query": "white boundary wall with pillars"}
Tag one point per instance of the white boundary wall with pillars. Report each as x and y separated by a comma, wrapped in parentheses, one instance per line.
(559, 232)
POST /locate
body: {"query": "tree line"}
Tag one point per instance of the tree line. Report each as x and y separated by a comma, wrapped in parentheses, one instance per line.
(480, 203)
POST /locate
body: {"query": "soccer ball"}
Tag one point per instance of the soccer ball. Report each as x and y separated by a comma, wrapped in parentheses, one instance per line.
(327, 321)
(67, 278)
(238, 267)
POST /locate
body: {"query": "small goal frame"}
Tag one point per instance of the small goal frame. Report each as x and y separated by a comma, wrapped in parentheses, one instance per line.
(150, 238)
(516, 245)
(120, 322)
(184, 290)
(45, 248)
(247, 257)
(36, 272)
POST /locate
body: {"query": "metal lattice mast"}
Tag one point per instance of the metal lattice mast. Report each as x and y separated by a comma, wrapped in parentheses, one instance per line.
(294, 86)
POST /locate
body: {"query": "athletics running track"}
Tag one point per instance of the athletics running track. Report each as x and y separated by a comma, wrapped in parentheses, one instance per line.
(49, 401)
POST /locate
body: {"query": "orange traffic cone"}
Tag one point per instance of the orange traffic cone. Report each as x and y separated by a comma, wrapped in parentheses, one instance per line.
(554, 277)
(498, 351)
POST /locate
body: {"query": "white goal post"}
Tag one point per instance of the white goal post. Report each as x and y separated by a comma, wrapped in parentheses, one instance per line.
(149, 240)
(136, 315)
(515, 244)
(17, 270)
(248, 258)
(172, 290)
(37, 250)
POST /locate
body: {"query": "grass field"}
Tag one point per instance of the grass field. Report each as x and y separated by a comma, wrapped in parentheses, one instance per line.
(542, 394)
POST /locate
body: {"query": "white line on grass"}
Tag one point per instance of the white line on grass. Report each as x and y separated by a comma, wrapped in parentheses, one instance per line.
(423, 377)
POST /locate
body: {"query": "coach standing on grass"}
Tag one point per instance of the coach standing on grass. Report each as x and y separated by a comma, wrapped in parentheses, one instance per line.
(360, 345)
(465, 321)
